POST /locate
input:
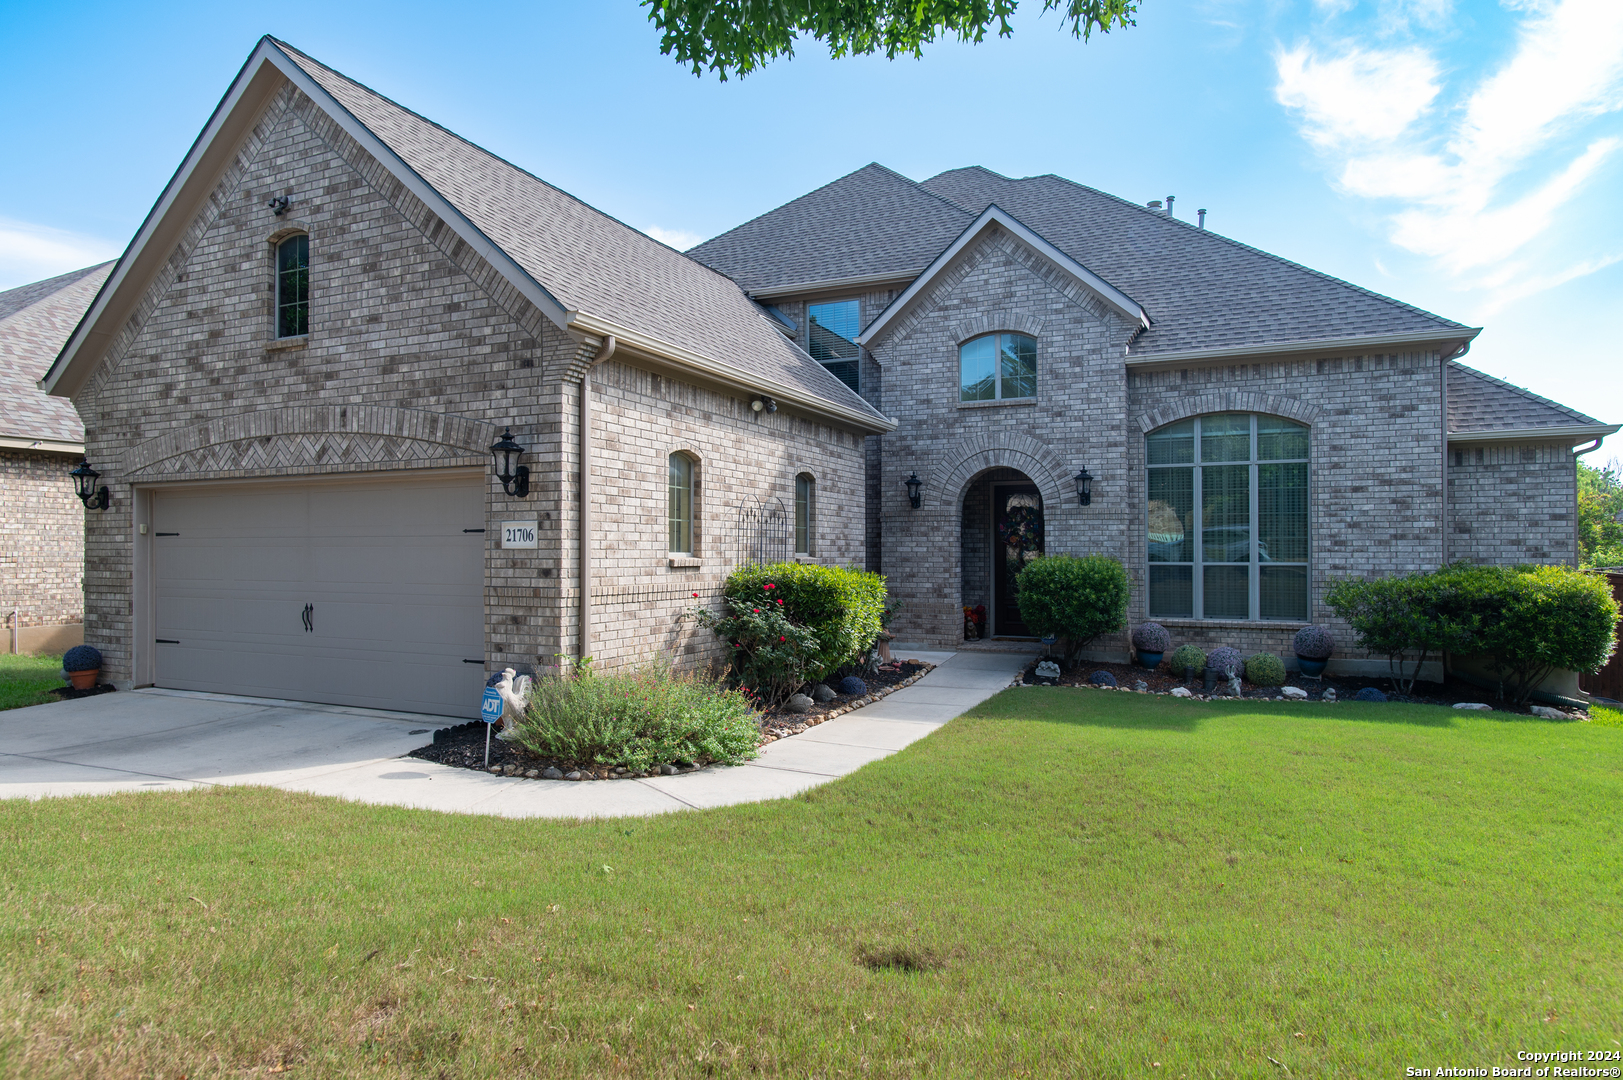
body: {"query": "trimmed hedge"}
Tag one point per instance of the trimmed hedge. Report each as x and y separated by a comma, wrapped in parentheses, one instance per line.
(842, 606)
(1188, 656)
(1265, 669)
(1075, 598)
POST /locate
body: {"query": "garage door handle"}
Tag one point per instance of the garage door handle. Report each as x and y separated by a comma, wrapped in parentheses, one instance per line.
(473, 661)
(309, 618)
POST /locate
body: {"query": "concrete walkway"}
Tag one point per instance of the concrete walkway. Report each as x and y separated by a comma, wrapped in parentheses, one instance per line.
(169, 740)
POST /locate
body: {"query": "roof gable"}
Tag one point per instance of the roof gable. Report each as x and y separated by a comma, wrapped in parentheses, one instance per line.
(994, 217)
(588, 273)
(34, 322)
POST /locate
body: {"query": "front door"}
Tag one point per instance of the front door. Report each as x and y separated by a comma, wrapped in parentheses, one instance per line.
(1017, 538)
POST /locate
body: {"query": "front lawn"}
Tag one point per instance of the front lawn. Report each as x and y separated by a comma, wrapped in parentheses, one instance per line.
(28, 680)
(1063, 883)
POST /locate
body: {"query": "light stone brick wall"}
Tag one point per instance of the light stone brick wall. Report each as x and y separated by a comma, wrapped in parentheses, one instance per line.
(418, 354)
(41, 540)
(1512, 503)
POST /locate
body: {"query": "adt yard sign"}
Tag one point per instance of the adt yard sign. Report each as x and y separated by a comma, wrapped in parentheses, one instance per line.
(490, 706)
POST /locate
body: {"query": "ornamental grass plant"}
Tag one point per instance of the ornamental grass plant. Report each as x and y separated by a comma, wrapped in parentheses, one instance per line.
(638, 717)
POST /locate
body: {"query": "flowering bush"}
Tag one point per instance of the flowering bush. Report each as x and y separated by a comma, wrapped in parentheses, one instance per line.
(1313, 643)
(1225, 662)
(1152, 637)
(842, 606)
(772, 657)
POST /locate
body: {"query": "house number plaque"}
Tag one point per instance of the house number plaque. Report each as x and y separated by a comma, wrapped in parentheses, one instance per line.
(518, 534)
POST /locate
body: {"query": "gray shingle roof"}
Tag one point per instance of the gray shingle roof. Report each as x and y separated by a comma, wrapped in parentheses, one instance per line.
(1478, 402)
(864, 224)
(586, 259)
(35, 321)
(1202, 290)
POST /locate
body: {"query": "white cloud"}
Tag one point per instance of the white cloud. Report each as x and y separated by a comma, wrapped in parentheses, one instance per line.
(1480, 182)
(34, 252)
(680, 239)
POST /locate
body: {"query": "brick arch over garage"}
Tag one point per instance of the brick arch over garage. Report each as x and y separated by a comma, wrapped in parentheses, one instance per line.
(1232, 401)
(306, 439)
(1035, 459)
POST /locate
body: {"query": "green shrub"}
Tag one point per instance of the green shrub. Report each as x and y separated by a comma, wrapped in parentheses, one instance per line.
(793, 623)
(639, 718)
(1418, 614)
(1265, 669)
(1188, 656)
(1075, 598)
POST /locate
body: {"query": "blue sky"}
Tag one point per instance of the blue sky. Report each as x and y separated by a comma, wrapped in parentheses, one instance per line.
(1461, 155)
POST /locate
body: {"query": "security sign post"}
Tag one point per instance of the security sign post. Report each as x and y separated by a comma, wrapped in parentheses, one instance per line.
(490, 711)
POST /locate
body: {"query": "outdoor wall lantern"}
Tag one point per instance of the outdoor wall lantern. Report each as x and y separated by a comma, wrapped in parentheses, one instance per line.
(84, 481)
(764, 404)
(1084, 486)
(515, 478)
(913, 485)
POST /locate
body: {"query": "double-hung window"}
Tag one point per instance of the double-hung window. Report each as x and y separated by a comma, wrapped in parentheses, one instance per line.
(833, 331)
(996, 367)
(293, 286)
(1244, 478)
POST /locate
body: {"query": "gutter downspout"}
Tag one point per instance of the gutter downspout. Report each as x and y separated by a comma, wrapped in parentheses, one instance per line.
(1465, 347)
(1577, 551)
(605, 350)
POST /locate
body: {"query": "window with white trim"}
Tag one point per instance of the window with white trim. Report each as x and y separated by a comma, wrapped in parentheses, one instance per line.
(680, 515)
(1244, 478)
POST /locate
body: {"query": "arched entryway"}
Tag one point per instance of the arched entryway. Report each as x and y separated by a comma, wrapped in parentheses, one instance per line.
(1002, 527)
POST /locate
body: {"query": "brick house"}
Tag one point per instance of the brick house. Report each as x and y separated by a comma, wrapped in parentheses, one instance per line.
(41, 439)
(1022, 332)
(299, 381)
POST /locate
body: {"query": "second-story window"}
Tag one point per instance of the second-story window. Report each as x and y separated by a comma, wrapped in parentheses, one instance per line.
(833, 331)
(997, 366)
(293, 286)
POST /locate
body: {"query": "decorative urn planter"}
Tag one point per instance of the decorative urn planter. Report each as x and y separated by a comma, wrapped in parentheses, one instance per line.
(1150, 660)
(1313, 646)
(1150, 643)
(1310, 667)
(82, 663)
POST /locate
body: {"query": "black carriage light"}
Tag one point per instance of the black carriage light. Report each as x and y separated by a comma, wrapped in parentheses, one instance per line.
(913, 485)
(84, 480)
(1084, 486)
(515, 478)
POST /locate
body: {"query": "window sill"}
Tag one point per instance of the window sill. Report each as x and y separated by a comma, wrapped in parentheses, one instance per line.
(995, 404)
(686, 562)
(1232, 624)
(812, 559)
(278, 344)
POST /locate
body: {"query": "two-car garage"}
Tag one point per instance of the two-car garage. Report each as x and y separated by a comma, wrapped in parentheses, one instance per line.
(365, 592)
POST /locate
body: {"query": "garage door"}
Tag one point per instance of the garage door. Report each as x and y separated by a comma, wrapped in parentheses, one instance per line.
(351, 593)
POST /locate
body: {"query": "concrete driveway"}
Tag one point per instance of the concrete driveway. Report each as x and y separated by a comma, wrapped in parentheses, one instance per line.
(170, 740)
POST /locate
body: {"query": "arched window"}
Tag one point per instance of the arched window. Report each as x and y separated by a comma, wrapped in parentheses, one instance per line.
(293, 286)
(997, 366)
(681, 504)
(805, 508)
(1244, 478)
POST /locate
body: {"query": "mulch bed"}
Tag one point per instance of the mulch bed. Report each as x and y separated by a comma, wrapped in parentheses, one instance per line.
(1131, 677)
(68, 693)
(463, 746)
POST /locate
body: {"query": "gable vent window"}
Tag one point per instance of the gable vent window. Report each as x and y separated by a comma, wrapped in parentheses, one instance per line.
(996, 367)
(833, 329)
(293, 287)
(1228, 518)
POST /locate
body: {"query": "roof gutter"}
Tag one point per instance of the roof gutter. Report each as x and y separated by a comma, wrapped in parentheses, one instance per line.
(1461, 336)
(1569, 433)
(43, 446)
(898, 277)
(579, 322)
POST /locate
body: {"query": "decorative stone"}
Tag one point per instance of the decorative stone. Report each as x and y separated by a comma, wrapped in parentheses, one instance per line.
(531, 774)
(575, 775)
(1141, 686)
(1328, 695)
(1181, 691)
(1102, 678)
(1369, 693)
(1295, 693)
(1048, 670)
(668, 770)
(1477, 705)
(822, 693)
(496, 770)
(1548, 713)
(800, 703)
(552, 772)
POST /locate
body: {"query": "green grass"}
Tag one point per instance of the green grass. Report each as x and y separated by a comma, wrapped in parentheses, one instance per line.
(1063, 883)
(28, 680)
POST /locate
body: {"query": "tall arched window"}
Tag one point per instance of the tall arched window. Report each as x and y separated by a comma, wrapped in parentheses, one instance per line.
(1244, 478)
(293, 286)
(681, 504)
(997, 366)
(805, 508)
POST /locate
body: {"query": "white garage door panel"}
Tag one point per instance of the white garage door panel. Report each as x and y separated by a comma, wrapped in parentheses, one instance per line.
(394, 583)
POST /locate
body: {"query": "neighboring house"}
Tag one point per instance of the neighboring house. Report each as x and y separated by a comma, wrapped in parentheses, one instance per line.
(1250, 430)
(299, 380)
(41, 439)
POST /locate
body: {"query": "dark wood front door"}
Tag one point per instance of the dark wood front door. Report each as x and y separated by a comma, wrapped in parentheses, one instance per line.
(1017, 538)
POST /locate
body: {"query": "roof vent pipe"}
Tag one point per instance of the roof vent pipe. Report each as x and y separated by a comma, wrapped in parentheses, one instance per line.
(1202, 213)
(1169, 204)
(1154, 204)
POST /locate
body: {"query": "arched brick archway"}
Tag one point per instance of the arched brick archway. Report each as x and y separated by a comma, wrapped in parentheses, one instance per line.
(1020, 452)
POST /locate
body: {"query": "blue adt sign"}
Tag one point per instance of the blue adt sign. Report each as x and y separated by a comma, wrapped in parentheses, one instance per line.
(491, 705)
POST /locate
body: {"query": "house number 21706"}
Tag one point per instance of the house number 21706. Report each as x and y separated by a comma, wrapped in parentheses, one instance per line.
(518, 534)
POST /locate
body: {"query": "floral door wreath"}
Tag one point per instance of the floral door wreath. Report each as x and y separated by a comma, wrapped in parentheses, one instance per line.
(1022, 529)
